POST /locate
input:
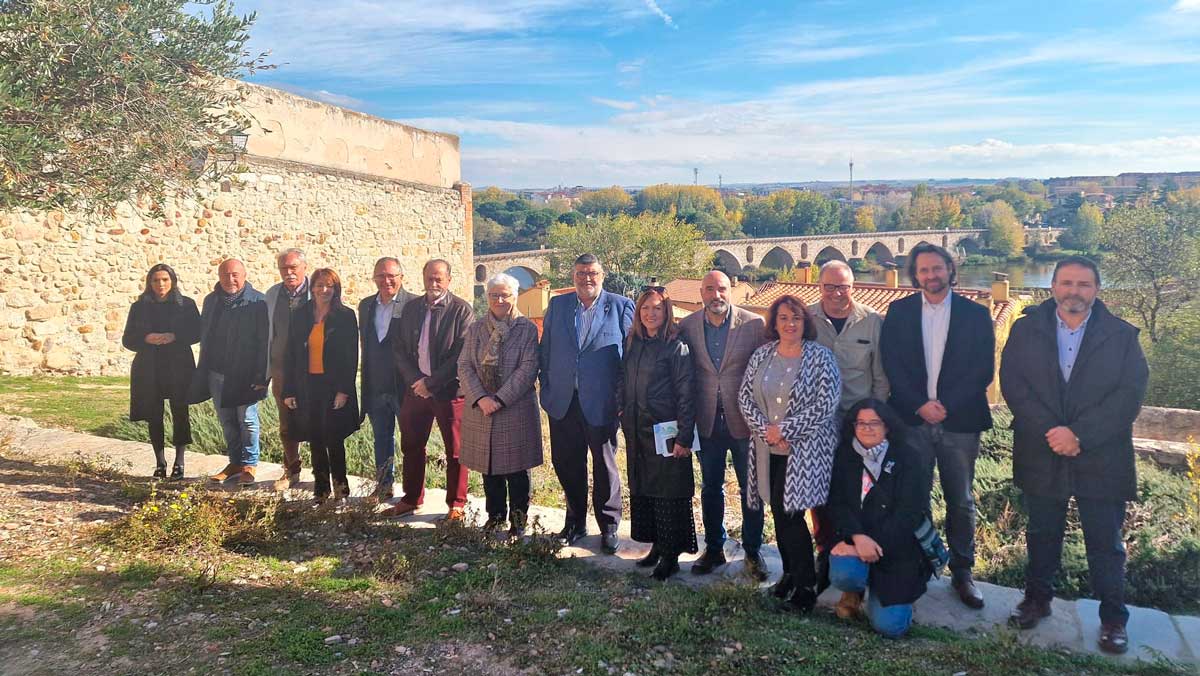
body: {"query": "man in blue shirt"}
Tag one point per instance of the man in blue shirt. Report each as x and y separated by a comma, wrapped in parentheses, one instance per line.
(583, 337)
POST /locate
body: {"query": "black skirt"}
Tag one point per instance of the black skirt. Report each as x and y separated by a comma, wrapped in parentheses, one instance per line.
(667, 522)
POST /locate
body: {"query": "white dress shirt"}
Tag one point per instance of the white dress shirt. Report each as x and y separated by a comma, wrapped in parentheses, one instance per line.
(383, 316)
(935, 326)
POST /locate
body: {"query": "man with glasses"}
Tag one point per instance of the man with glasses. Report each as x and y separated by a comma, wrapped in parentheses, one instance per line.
(378, 315)
(852, 331)
(583, 338)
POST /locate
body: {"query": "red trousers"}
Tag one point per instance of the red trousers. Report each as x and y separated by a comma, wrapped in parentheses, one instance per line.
(416, 422)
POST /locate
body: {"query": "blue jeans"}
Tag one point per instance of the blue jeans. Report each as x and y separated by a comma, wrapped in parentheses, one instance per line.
(712, 491)
(383, 413)
(850, 574)
(239, 424)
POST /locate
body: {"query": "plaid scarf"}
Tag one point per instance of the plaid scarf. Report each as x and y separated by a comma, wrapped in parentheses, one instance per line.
(489, 352)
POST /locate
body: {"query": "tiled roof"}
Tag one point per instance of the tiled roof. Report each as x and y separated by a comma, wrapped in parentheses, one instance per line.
(875, 296)
(686, 290)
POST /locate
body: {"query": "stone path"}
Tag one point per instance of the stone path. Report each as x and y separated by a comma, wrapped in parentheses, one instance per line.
(1074, 625)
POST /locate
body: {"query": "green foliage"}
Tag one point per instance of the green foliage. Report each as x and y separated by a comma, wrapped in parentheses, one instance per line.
(1005, 234)
(791, 212)
(1175, 362)
(1153, 258)
(650, 245)
(104, 100)
(184, 521)
(606, 201)
(1086, 227)
(680, 199)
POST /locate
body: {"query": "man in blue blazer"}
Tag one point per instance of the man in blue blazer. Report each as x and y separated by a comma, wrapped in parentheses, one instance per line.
(939, 354)
(583, 336)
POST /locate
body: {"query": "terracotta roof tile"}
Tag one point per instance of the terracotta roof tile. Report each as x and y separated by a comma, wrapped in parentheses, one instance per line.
(687, 290)
(875, 296)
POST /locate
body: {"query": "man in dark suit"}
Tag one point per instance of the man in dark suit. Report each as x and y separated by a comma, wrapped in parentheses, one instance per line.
(939, 357)
(1074, 376)
(431, 333)
(377, 318)
(721, 338)
(583, 336)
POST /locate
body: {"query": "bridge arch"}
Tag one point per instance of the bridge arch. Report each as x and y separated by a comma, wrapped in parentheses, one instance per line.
(727, 262)
(804, 251)
(525, 276)
(829, 253)
(778, 258)
(970, 245)
(749, 254)
(481, 273)
(900, 246)
(880, 253)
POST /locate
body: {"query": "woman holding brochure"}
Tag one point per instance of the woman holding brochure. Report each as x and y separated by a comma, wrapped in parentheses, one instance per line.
(658, 391)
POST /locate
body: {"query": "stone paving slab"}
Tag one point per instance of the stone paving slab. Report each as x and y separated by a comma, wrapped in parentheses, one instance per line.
(1073, 625)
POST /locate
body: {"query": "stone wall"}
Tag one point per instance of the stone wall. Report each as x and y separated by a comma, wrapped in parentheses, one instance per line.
(66, 281)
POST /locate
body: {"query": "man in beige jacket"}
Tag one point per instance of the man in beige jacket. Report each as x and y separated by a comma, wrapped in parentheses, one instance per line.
(721, 339)
(851, 330)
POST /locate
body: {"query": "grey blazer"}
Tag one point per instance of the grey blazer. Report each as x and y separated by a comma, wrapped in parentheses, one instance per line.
(745, 336)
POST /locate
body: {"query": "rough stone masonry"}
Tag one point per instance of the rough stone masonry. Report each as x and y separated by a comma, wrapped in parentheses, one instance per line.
(327, 180)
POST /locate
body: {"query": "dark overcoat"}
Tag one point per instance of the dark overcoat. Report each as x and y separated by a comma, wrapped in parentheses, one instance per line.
(509, 440)
(889, 515)
(340, 360)
(160, 371)
(657, 388)
(1098, 404)
(242, 339)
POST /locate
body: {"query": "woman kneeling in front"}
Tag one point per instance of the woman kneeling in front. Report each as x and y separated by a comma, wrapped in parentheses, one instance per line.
(878, 497)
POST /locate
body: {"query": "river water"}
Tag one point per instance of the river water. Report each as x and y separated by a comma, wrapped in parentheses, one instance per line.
(1029, 274)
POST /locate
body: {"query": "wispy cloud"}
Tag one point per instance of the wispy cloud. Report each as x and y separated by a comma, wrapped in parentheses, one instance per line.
(614, 103)
(984, 39)
(658, 11)
(322, 95)
(1186, 6)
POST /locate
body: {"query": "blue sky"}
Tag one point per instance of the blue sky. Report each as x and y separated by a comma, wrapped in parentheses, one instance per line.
(634, 92)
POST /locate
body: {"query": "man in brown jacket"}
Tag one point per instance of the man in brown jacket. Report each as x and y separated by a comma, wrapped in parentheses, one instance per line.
(426, 349)
(721, 338)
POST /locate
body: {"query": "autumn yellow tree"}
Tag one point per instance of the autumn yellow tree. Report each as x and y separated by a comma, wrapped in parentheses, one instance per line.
(610, 201)
(864, 219)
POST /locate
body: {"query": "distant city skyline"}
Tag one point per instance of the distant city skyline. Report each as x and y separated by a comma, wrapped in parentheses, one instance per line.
(636, 92)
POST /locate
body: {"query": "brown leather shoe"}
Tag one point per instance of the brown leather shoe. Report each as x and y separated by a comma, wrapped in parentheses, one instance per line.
(455, 515)
(849, 606)
(401, 508)
(1113, 639)
(1029, 612)
(230, 470)
(968, 593)
(246, 477)
(287, 481)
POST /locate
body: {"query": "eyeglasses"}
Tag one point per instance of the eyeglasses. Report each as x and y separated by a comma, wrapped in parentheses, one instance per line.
(836, 288)
(499, 296)
(587, 274)
(868, 424)
(660, 290)
(381, 277)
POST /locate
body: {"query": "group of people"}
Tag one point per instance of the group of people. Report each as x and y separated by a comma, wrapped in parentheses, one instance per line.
(830, 411)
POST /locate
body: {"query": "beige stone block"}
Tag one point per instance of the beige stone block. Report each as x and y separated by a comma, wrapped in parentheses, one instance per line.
(41, 313)
(50, 327)
(60, 359)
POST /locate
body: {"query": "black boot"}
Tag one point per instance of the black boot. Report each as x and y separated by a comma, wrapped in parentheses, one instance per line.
(781, 589)
(160, 471)
(177, 473)
(803, 600)
(668, 565)
(650, 559)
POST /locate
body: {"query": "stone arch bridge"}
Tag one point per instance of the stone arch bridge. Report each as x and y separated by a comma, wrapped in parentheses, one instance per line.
(783, 252)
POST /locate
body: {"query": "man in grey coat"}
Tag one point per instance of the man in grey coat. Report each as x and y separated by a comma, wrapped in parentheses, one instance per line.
(852, 331)
(282, 301)
(721, 339)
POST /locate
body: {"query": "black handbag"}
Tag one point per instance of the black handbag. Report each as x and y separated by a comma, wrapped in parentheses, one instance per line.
(932, 545)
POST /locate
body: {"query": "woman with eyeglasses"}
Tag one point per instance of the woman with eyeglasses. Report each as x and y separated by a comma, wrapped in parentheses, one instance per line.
(789, 398)
(658, 389)
(501, 426)
(318, 383)
(162, 326)
(878, 497)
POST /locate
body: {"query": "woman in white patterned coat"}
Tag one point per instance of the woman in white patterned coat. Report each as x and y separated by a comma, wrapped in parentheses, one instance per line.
(789, 397)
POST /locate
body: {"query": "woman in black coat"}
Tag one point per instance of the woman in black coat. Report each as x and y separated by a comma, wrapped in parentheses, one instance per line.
(658, 388)
(878, 497)
(318, 381)
(161, 328)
